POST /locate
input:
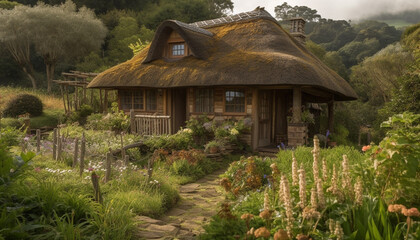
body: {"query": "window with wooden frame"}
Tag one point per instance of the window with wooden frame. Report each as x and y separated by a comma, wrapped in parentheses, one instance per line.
(125, 99)
(151, 99)
(235, 101)
(204, 100)
(138, 99)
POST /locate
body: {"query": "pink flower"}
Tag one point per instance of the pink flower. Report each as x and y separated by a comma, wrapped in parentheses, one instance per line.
(90, 169)
(365, 148)
(37, 169)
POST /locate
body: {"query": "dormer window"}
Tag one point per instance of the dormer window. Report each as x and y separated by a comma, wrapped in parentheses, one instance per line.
(176, 47)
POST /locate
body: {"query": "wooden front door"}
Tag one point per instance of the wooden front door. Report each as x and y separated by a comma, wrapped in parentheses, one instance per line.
(179, 108)
(264, 118)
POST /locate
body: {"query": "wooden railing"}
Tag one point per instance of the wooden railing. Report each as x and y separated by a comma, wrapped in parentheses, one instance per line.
(151, 125)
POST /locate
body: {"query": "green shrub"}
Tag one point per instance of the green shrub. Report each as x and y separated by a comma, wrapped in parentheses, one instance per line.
(181, 140)
(11, 136)
(11, 122)
(395, 160)
(24, 103)
(50, 118)
(223, 229)
(81, 115)
(116, 121)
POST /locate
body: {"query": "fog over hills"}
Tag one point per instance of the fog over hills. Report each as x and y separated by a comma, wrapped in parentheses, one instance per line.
(339, 9)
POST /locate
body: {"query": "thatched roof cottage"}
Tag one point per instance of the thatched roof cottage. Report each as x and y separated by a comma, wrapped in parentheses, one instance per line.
(245, 65)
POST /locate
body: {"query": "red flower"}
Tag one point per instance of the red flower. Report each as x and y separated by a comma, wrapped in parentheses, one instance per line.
(365, 148)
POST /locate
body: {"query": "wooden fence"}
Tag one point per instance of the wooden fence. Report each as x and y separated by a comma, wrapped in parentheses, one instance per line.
(151, 125)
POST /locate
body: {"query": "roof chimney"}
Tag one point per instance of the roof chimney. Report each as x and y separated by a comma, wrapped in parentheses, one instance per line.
(297, 29)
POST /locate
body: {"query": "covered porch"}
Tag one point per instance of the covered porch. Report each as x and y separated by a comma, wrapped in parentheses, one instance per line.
(278, 121)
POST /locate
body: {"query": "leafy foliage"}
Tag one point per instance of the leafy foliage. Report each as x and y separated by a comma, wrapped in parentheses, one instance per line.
(396, 159)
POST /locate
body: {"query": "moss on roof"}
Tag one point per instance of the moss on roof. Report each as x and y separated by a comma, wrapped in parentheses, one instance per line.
(249, 52)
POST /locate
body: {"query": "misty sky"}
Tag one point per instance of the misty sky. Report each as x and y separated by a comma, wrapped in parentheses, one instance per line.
(334, 9)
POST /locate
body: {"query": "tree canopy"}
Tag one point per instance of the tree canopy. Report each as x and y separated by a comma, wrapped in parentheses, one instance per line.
(56, 32)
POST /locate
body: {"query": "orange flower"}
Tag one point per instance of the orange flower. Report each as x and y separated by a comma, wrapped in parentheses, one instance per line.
(397, 208)
(412, 212)
(262, 232)
(247, 216)
(365, 148)
(266, 214)
(226, 184)
(303, 237)
(281, 235)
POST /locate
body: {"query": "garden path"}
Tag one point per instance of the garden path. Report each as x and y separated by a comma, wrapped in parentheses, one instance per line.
(199, 201)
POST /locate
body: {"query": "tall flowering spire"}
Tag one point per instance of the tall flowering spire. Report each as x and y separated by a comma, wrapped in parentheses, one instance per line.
(281, 194)
(358, 190)
(302, 187)
(320, 194)
(334, 182)
(314, 202)
(295, 177)
(346, 180)
(315, 154)
(324, 170)
(266, 200)
(288, 206)
(338, 231)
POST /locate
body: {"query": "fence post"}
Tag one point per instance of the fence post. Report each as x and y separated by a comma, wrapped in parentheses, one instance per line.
(55, 144)
(59, 146)
(76, 151)
(38, 140)
(108, 167)
(132, 122)
(126, 160)
(95, 183)
(82, 154)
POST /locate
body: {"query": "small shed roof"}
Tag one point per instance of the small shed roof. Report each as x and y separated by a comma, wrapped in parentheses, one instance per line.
(244, 49)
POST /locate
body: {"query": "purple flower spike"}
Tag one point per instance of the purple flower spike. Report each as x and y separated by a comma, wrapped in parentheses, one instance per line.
(283, 146)
(328, 134)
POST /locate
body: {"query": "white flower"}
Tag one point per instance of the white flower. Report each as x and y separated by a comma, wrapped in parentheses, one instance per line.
(12, 170)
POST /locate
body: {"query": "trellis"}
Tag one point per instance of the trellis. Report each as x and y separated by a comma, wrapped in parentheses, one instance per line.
(82, 94)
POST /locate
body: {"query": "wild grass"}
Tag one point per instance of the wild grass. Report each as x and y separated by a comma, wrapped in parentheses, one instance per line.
(50, 101)
(304, 156)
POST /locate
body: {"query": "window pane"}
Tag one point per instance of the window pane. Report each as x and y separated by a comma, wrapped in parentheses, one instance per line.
(125, 98)
(138, 99)
(234, 101)
(151, 96)
(178, 49)
(204, 100)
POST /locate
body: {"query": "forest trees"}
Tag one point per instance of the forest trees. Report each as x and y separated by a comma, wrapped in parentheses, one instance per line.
(56, 32)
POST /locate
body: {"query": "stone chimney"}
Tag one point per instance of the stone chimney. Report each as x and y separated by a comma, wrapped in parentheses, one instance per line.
(297, 29)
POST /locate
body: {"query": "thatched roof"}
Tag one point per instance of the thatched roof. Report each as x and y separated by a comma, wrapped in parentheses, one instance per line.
(244, 49)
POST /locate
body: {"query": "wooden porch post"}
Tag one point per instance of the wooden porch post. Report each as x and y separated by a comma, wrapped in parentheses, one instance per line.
(297, 103)
(105, 102)
(255, 126)
(132, 122)
(331, 116)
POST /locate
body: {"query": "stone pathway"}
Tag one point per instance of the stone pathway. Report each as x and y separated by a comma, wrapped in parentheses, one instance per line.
(198, 202)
